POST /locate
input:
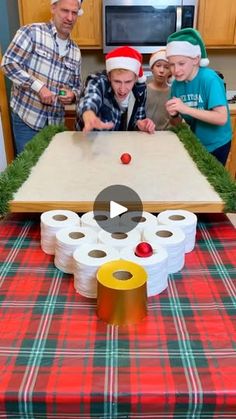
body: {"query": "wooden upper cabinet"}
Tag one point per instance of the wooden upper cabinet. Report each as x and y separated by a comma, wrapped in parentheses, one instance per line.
(217, 22)
(87, 32)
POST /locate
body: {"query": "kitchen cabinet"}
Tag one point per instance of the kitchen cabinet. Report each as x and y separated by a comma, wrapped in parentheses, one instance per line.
(87, 32)
(70, 117)
(231, 162)
(217, 23)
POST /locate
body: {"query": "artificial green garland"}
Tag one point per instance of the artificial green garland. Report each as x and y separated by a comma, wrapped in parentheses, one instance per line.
(18, 171)
(209, 166)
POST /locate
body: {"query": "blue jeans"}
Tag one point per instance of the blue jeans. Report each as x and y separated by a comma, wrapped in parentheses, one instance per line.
(22, 132)
(221, 153)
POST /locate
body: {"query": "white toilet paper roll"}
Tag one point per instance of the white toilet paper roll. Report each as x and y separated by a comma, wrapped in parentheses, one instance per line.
(119, 239)
(87, 259)
(67, 240)
(155, 265)
(184, 219)
(133, 217)
(89, 219)
(173, 239)
(51, 222)
(168, 236)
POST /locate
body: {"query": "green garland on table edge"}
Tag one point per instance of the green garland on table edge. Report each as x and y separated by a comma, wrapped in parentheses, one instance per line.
(209, 166)
(18, 171)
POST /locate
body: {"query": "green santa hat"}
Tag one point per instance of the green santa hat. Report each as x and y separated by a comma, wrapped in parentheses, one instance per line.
(187, 42)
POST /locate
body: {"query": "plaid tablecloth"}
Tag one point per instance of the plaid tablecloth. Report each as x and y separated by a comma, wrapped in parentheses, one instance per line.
(58, 360)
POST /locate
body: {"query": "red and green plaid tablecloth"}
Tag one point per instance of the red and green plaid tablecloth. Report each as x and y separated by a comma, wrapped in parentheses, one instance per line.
(58, 360)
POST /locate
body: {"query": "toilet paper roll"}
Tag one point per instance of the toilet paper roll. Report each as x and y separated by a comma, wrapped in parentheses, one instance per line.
(159, 256)
(155, 265)
(140, 222)
(87, 259)
(89, 219)
(173, 239)
(119, 239)
(67, 240)
(184, 219)
(51, 222)
(165, 235)
(122, 292)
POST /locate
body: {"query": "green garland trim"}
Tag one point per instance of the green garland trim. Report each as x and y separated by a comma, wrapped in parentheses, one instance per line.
(209, 166)
(18, 171)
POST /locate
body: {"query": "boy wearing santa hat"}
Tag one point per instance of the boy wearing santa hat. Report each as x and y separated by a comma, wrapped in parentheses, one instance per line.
(115, 99)
(198, 93)
(158, 90)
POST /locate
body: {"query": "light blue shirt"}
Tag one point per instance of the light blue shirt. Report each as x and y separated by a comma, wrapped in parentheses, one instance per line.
(206, 91)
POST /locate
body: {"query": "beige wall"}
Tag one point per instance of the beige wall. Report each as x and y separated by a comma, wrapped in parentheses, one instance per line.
(223, 61)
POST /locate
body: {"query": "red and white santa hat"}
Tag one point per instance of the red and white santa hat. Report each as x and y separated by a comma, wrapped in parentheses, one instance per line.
(80, 11)
(126, 58)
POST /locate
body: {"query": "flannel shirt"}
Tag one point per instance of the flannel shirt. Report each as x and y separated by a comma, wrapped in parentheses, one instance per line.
(31, 61)
(98, 96)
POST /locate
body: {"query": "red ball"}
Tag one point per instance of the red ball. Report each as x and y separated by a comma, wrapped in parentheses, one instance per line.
(144, 250)
(125, 158)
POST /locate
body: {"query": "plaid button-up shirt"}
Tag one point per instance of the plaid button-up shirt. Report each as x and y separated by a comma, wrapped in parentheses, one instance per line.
(98, 96)
(33, 60)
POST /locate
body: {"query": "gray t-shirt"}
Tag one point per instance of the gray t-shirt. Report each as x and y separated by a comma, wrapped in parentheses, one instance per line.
(155, 108)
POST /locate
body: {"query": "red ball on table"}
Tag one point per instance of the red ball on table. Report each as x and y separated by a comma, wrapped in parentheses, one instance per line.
(125, 158)
(144, 250)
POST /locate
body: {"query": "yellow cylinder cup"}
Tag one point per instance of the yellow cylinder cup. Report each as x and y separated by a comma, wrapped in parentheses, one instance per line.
(122, 292)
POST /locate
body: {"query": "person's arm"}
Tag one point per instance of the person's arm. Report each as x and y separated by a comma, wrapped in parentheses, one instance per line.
(90, 104)
(215, 116)
(91, 121)
(146, 125)
(15, 61)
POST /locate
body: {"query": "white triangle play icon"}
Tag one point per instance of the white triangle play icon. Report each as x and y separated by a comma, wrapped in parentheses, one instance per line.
(116, 209)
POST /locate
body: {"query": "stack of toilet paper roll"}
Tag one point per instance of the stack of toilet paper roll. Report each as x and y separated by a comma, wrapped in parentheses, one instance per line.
(156, 267)
(53, 221)
(81, 246)
(67, 241)
(122, 292)
(119, 239)
(131, 219)
(90, 219)
(186, 220)
(87, 259)
(173, 240)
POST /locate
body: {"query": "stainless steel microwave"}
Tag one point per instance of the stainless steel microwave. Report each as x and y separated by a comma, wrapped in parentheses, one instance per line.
(145, 24)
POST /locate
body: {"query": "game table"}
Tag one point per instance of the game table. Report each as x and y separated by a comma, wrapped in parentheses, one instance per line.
(76, 167)
(58, 360)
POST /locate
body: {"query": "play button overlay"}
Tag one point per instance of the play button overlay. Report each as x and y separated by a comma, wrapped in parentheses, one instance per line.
(114, 201)
(116, 209)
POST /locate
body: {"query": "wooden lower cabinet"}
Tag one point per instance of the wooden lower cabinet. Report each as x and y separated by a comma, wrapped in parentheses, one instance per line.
(70, 117)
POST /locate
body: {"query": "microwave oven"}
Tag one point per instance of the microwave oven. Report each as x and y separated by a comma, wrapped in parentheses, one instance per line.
(145, 24)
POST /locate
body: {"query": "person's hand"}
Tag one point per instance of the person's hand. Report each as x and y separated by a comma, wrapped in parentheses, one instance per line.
(46, 96)
(146, 125)
(175, 106)
(91, 121)
(67, 98)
